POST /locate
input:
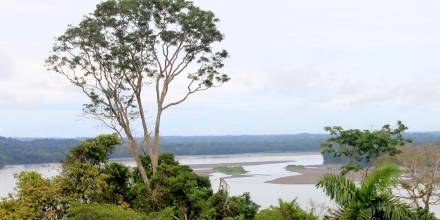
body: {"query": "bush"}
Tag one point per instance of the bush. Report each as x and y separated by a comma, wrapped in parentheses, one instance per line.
(235, 207)
(94, 211)
(37, 198)
(176, 185)
(285, 211)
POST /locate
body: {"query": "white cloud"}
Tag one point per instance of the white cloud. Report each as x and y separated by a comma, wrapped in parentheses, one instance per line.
(31, 86)
(348, 91)
(289, 59)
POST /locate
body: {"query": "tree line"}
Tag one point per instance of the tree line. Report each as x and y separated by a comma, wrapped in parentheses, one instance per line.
(90, 186)
(52, 150)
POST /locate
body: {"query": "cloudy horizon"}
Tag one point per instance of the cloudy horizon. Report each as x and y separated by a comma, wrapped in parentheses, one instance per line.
(296, 66)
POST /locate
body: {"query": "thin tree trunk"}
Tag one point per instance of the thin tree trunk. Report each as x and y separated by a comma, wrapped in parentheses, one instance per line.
(155, 148)
(428, 198)
(155, 153)
(133, 150)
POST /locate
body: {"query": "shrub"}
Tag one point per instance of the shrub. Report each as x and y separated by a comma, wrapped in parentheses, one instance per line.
(236, 207)
(285, 211)
(94, 211)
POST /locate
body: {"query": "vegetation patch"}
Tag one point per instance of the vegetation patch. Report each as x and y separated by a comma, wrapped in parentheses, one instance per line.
(285, 210)
(231, 170)
(80, 211)
(294, 167)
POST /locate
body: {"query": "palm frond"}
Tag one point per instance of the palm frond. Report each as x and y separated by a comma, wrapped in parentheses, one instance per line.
(380, 179)
(335, 214)
(393, 208)
(372, 200)
(364, 214)
(338, 188)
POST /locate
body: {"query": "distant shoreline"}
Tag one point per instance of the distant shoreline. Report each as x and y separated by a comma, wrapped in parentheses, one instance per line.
(293, 153)
(120, 159)
(15, 151)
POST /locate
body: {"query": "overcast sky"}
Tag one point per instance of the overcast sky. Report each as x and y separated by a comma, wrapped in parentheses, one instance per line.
(296, 66)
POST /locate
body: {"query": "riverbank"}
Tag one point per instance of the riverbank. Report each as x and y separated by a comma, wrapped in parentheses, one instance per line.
(311, 175)
(300, 174)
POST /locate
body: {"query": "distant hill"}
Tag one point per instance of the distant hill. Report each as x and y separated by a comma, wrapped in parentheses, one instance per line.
(45, 150)
(15, 151)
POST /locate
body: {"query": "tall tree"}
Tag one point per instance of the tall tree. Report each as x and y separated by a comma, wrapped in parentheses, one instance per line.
(129, 55)
(361, 147)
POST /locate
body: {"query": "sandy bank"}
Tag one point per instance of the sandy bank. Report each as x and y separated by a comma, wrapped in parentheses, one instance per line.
(311, 174)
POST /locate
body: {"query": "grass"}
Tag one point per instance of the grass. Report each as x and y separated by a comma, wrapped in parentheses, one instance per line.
(231, 170)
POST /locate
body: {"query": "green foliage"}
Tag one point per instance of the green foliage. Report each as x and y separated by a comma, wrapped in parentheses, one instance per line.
(373, 199)
(167, 213)
(177, 189)
(9, 209)
(93, 151)
(14, 151)
(165, 158)
(83, 181)
(86, 177)
(175, 185)
(285, 211)
(423, 214)
(231, 170)
(247, 209)
(117, 177)
(125, 45)
(94, 188)
(43, 150)
(94, 211)
(37, 198)
(293, 167)
(361, 147)
(235, 207)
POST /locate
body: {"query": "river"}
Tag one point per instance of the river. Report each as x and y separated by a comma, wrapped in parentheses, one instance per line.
(255, 181)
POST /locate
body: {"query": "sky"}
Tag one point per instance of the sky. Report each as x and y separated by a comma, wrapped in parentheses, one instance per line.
(296, 66)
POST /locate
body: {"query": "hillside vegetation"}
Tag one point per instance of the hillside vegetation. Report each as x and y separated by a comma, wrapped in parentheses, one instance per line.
(47, 150)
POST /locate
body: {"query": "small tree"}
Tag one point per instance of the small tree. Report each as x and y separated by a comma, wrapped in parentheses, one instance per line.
(128, 55)
(361, 147)
(422, 174)
(88, 176)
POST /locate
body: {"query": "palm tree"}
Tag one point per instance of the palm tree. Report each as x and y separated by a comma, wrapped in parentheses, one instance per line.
(371, 199)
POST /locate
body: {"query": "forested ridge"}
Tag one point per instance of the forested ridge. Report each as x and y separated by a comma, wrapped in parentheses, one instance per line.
(46, 150)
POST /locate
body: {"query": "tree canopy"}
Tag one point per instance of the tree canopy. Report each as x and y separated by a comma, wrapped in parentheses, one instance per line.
(130, 53)
(361, 147)
(91, 186)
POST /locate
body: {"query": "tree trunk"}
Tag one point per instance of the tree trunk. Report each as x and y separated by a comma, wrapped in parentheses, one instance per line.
(154, 156)
(155, 147)
(133, 150)
(426, 202)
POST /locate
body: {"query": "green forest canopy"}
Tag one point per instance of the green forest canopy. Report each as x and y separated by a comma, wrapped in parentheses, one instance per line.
(46, 150)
